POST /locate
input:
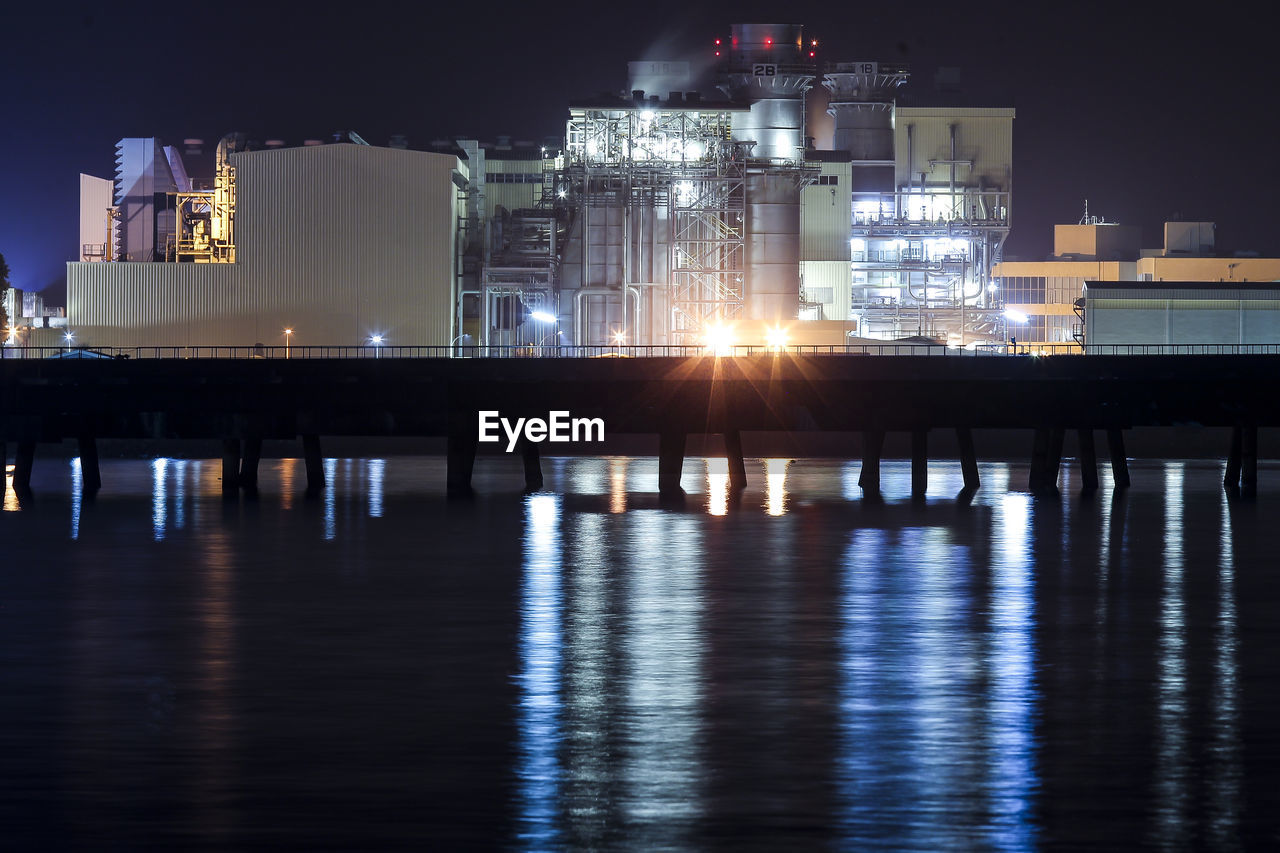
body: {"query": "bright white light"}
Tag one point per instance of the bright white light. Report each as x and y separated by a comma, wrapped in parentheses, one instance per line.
(775, 338)
(376, 340)
(718, 339)
(647, 115)
(542, 316)
(1015, 316)
(69, 337)
(684, 193)
(619, 338)
(857, 244)
(693, 150)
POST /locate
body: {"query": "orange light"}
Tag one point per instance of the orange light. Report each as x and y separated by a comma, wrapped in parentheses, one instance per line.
(814, 43)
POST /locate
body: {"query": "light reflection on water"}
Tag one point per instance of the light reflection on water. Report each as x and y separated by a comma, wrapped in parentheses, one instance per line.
(795, 668)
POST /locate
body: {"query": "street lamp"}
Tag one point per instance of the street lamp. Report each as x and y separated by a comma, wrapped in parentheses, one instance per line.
(288, 333)
(376, 342)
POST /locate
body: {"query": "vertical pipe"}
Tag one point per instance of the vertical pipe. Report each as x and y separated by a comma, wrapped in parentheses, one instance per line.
(872, 448)
(670, 462)
(968, 458)
(230, 465)
(90, 475)
(1231, 479)
(1088, 461)
(737, 465)
(315, 464)
(919, 462)
(1119, 462)
(4, 467)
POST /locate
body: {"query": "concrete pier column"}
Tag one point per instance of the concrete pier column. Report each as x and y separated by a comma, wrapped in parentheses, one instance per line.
(461, 459)
(1119, 461)
(90, 475)
(737, 465)
(230, 465)
(968, 459)
(919, 462)
(4, 464)
(1249, 461)
(315, 463)
(1088, 462)
(670, 462)
(22, 462)
(249, 464)
(872, 448)
(1039, 460)
(1231, 478)
(1057, 438)
(532, 465)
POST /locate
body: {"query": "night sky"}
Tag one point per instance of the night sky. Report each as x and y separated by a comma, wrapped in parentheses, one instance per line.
(1150, 118)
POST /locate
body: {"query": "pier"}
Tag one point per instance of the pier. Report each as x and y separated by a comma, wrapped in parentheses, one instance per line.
(241, 402)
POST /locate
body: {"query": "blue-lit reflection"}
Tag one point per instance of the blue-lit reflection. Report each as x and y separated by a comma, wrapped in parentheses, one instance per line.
(1171, 711)
(376, 470)
(159, 498)
(539, 774)
(330, 498)
(663, 695)
(77, 495)
(1012, 708)
(1226, 773)
(922, 726)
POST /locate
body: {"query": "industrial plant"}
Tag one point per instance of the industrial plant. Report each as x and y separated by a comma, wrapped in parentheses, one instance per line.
(679, 209)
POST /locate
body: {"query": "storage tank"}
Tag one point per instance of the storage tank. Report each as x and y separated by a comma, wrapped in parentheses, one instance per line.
(862, 104)
(769, 67)
(772, 291)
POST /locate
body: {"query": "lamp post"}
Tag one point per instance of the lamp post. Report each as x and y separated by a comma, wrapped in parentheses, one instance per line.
(288, 333)
(376, 341)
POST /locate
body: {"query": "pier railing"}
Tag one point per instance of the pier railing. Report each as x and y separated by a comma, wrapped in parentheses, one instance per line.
(377, 351)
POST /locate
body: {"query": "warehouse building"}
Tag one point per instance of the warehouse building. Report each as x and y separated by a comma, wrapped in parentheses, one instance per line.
(336, 242)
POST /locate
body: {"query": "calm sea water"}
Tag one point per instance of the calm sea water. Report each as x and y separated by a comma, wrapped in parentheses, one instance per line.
(585, 668)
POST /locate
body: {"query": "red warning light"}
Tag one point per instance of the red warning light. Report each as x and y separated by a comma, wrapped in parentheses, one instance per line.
(735, 42)
(717, 53)
(717, 42)
(811, 54)
(768, 42)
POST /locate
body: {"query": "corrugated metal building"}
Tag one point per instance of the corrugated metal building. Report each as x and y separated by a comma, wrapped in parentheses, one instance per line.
(338, 242)
(1186, 313)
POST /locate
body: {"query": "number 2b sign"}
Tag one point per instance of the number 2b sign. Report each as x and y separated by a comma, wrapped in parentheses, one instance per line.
(764, 69)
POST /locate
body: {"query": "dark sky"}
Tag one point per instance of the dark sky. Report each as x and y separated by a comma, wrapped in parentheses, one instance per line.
(1148, 116)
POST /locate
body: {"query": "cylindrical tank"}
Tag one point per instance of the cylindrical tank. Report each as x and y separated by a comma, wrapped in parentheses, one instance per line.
(773, 248)
(862, 104)
(768, 67)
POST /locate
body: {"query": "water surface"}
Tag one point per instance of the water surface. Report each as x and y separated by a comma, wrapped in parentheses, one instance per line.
(585, 667)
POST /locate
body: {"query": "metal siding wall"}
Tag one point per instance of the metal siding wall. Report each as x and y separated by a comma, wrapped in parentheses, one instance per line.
(834, 274)
(826, 215)
(983, 135)
(337, 241)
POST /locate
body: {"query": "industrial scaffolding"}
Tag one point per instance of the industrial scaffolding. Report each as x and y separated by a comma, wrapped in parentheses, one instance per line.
(658, 162)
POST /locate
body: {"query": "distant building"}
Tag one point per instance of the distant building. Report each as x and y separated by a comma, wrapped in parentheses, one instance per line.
(1046, 292)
